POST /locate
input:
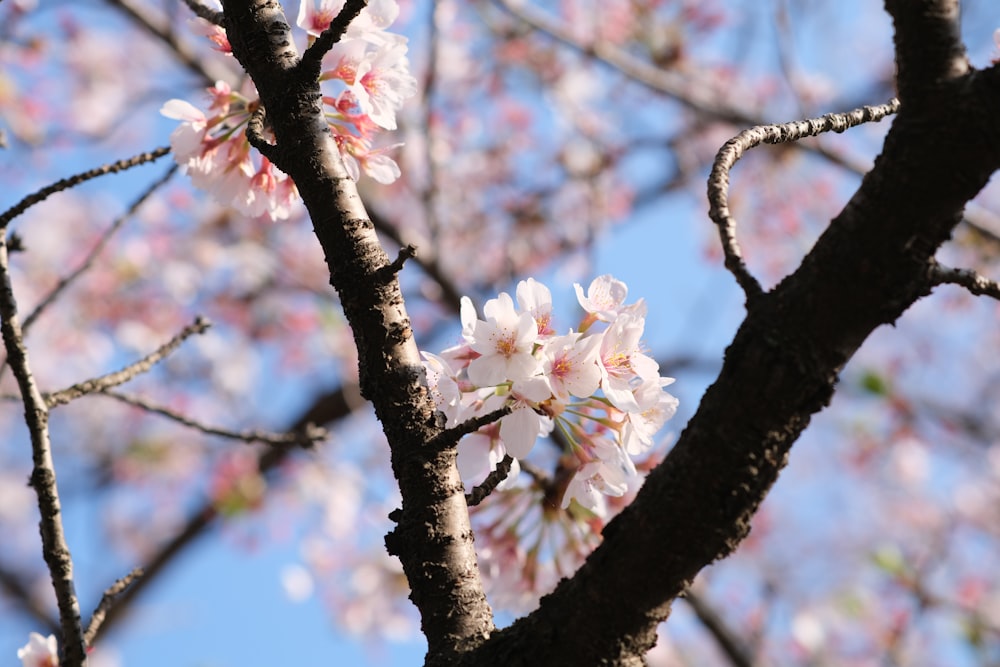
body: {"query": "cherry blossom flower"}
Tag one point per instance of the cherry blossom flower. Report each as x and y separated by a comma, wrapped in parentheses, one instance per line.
(591, 484)
(535, 298)
(373, 19)
(214, 152)
(39, 651)
(371, 68)
(640, 427)
(382, 82)
(605, 297)
(505, 342)
(570, 364)
(605, 395)
(623, 367)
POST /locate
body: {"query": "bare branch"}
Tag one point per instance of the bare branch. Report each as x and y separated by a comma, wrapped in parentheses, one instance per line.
(451, 295)
(734, 149)
(967, 278)
(88, 261)
(307, 436)
(55, 550)
(731, 644)
(194, 62)
(409, 251)
(107, 602)
(16, 586)
(693, 94)
(201, 11)
(338, 26)
(255, 135)
(689, 92)
(494, 479)
(451, 436)
(200, 325)
(327, 408)
(66, 183)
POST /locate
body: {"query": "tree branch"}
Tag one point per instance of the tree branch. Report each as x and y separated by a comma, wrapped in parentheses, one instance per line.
(438, 556)
(55, 550)
(967, 278)
(194, 62)
(63, 396)
(308, 436)
(201, 11)
(733, 150)
(88, 261)
(492, 481)
(866, 269)
(731, 644)
(108, 600)
(313, 56)
(327, 408)
(66, 183)
(929, 49)
(16, 586)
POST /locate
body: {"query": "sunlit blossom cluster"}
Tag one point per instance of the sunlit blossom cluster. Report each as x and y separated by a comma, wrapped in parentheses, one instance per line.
(371, 80)
(594, 384)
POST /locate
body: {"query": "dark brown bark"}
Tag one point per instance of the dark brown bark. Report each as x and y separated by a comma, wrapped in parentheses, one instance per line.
(870, 265)
(433, 538)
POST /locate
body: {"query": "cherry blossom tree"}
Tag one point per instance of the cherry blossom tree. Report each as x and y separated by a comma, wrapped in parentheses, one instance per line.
(443, 153)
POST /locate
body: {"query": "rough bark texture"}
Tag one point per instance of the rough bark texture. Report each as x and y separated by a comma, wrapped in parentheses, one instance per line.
(433, 538)
(868, 267)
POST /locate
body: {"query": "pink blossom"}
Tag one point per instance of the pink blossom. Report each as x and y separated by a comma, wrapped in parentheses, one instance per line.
(623, 366)
(640, 427)
(535, 298)
(521, 428)
(591, 483)
(382, 82)
(358, 156)
(505, 341)
(39, 651)
(605, 297)
(570, 364)
(216, 155)
(479, 454)
(373, 19)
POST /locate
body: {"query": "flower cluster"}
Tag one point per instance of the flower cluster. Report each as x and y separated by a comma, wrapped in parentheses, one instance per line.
(39, 651)
(595, 384)
(372, 69)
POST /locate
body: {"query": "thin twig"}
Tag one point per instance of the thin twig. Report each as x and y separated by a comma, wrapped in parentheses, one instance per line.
(66, 183)
(88, 261)
(307, 437)
(201, 11)
(494, 479)
(697, 96)
(194, 62)
(967, 278)
(313, 56)
(428, 194)
(107, 602)
(17, 588)
(55, 550)
(451, 295)
(255, 135)
(63, 396)
(734, 149)
(451, 436)
(730, 643)
(409, 251)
